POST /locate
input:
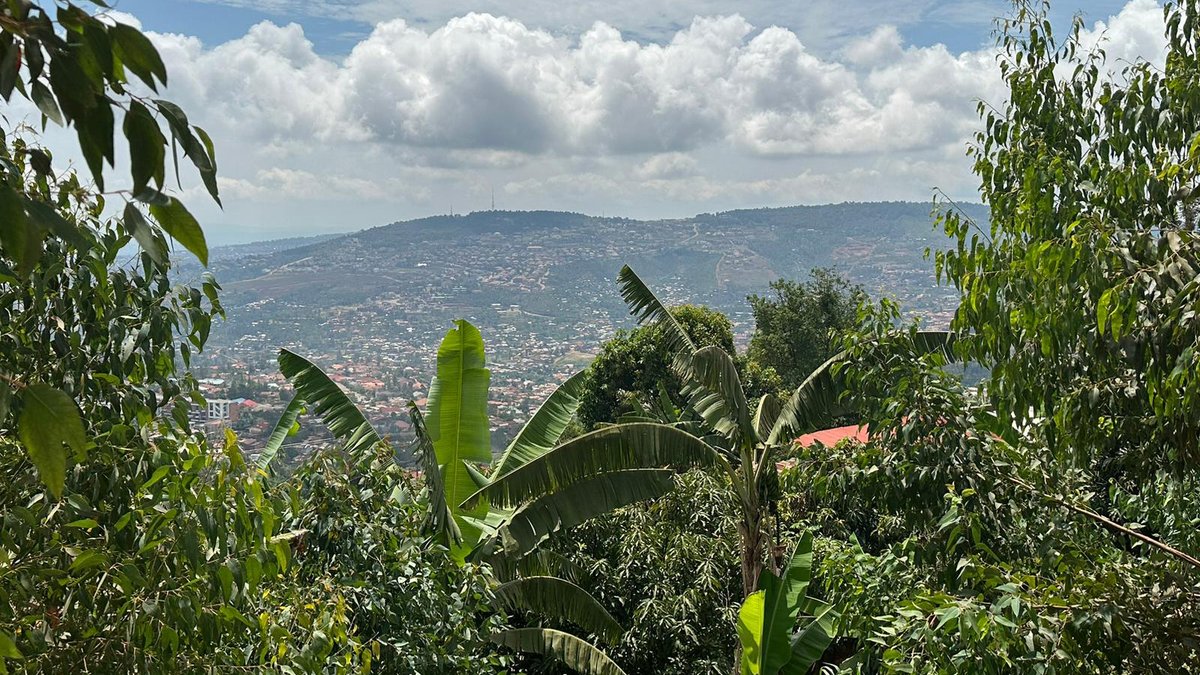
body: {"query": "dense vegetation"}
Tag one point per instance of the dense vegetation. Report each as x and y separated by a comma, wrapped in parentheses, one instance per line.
(656, 514)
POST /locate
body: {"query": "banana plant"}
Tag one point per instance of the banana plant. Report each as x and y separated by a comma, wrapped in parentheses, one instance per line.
(768, 618)
(749, 435)
(537, 488)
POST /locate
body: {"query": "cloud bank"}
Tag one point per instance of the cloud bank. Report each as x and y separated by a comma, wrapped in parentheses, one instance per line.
(723, 114)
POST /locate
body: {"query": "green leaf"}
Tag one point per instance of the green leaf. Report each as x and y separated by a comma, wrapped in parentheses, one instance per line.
(559, 599)
(49, 420)
(457, 423)
(327, 400)
(781, 606)
(75, 91)
(767, 617)
(765, 415)
(45, 102)
(440, 518)
(810, 642)
(20, 237)
(815, 402)
(749, 630)
(209, 176)
(84, 523)
(159, 473)
(543, 431)
(541, 563)
(182, 227)
(141, 230)
(579, 502)
(147, 147)
(47, 219)
(811, 405)
(575, 653)
(286, 426)
(1103, 307)
(617, 448)
(88, 559)
(182, 132)
(138, 54)
(95, 131)
(8, 648)
(648, 309)
(10, 68)
(5, 400)
(40, 161)
(716, 394)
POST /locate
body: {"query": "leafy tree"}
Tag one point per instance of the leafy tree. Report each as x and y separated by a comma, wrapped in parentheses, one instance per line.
(1081, 299)
(799, 325)
(632, 366)
(127, 542)
(397, 602)
(749, 437)
(136, 545)
(722, 422)
(1044, 523)
(75, 67)
(669, 569)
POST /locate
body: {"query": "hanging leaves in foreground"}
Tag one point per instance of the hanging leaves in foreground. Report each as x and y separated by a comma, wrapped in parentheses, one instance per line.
(49, 421)
(182, 226)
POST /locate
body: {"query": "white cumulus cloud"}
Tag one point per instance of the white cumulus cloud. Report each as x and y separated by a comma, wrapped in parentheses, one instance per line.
(721, 114)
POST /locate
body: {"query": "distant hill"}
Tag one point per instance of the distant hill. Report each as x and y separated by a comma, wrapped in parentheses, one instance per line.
(235, 251)
(734, 250)
(549, 275)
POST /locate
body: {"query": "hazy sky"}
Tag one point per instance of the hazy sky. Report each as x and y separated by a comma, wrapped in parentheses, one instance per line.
(336, 115)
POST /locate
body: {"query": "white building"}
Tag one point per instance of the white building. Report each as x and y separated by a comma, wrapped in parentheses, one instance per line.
(218, 408)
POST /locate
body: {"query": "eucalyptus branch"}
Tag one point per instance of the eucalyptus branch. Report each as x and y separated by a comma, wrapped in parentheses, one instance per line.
(1108, 523)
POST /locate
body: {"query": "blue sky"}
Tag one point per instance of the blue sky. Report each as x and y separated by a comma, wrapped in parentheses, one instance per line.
(334, 115)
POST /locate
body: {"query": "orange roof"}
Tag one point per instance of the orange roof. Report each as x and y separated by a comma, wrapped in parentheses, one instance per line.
(831, 437)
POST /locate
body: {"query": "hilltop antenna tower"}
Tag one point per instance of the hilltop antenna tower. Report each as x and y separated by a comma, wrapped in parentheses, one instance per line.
(493, 197)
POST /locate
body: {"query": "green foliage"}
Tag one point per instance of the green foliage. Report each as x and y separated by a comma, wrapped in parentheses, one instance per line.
(752, 441)
(152, 562)
(616, 448)
(1044, 522)
(553, 596)
(164, 553)
(55, 250)
(393, 600)
(451, 440)
(767, 617)
(577, 654)
(50, 420)
(545, 428)
(1080, 298)
(313, 387)
(668, 569)
(75, 67)
(148, 551)
(632, 365)
(799, 325)
(537, 520)
(287, 425)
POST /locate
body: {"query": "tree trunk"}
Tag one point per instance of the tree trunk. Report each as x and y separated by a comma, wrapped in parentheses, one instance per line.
(752, 564)
(752, 553)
